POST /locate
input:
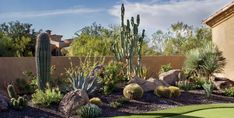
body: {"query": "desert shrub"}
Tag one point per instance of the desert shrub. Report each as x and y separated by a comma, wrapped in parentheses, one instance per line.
(185, 85)
(97, 101)
(90, 111)
(229, 92)
(47, 98)
(119, 102)
(162, 91)
(115, 104)
(23, 87)
(113, 74)
(165, 68)
(175, 91)
(133, 91)
(198, 82)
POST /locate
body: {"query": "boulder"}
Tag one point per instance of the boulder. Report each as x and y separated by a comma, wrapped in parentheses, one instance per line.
(221, 82)
(171, 77)
(72, 101)
(149, 84)
(4, 103)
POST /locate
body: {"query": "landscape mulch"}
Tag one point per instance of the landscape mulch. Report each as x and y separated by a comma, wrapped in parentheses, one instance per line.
(149, 102)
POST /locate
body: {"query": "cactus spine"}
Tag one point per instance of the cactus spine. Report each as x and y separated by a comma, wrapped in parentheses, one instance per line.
(43, 60)
(11, 91)
(130, 43)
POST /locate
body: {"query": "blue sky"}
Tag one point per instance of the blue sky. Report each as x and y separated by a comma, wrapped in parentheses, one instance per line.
(65, 17)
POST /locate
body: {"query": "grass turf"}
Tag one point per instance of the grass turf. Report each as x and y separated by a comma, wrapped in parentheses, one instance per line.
(192, 111)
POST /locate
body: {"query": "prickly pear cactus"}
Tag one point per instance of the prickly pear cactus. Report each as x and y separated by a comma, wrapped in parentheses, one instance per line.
(43, 60)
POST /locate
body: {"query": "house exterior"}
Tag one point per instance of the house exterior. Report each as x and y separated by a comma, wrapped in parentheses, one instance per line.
(57, 43)
(222, 24)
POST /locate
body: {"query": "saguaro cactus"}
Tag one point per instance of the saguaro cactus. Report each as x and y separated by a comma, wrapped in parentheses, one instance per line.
(130, 43)
(43, 60)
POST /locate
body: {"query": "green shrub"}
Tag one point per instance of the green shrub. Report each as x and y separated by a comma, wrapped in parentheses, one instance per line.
(133, 91)
(119, 102)
(97, 101)
(24, 87)
(175, 91)
(114, 73)
(46, 98)
(90, 111)
(162, 91)
(229, 92)
(165, 68)
(185, 85)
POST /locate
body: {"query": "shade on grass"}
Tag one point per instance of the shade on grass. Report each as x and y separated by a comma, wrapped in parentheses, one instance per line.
(193, 111)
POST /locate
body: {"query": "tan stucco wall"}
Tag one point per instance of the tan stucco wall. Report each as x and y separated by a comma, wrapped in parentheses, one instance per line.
(11, 68)
(223, 37)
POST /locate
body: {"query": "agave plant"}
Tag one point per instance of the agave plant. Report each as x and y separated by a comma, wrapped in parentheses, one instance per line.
(87, 82)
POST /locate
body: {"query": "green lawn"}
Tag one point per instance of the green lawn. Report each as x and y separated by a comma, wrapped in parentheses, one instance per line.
(193, 111)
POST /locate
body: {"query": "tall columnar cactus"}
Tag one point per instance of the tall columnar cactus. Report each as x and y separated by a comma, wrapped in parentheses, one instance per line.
(130, 43)
(43, 60)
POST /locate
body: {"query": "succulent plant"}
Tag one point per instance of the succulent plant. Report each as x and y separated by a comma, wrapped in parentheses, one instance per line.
(130, 43)
(84, 82)
(18, 103)
(11, 91)
(133, 91)
(175, 91)
(43, 60)
(96, 101)
(162, 91)
(90, 111)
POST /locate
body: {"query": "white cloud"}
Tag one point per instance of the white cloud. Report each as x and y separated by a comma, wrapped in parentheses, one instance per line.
(41, 13)
(160, 15)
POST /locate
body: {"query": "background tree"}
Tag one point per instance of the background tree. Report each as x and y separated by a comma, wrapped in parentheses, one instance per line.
(97, 40)
(22, 37)
(180, 39)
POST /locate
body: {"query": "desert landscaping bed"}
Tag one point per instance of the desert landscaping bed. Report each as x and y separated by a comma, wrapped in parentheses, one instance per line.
(149, 102)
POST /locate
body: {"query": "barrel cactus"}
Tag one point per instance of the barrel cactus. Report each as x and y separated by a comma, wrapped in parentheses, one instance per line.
(163, 91)
(133, 91)
(43, 60)
(175, 91)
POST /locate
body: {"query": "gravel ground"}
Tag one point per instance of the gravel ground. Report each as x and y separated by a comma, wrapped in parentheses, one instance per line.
(149, 102)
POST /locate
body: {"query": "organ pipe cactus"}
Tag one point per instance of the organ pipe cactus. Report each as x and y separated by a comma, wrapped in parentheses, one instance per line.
(130, 43)
(43, 60)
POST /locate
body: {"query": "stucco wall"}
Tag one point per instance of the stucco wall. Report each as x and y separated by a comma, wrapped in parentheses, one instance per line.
(11, 68)
(223, 37)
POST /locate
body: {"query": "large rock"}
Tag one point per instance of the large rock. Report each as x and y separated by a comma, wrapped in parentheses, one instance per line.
(72, 101)
(221, 82)
(149, 84)
(171, 77)
(4, 103)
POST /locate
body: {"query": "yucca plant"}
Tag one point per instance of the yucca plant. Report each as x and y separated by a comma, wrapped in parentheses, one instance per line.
(205, 61)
